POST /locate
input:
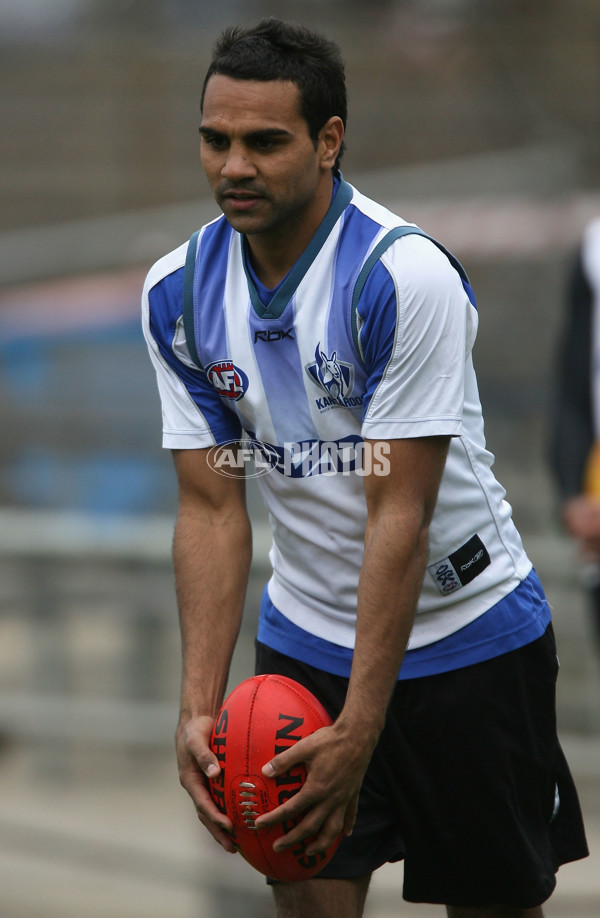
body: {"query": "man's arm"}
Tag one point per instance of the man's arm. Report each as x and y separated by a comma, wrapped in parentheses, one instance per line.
(400, 507)
(212, 550)
(571, 416)
(572, 423)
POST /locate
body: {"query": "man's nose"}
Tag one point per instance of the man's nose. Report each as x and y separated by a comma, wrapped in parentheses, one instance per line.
(238, 164)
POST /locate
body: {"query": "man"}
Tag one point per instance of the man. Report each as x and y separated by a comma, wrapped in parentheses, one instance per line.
(338, 340)
(575, 420)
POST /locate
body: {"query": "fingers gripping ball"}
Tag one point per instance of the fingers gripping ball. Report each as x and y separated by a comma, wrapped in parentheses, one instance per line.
(261, 718)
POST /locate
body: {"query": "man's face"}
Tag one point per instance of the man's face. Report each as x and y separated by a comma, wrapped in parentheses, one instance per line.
(261, 163)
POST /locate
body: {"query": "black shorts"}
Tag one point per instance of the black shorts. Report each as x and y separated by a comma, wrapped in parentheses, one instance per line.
(468, 783)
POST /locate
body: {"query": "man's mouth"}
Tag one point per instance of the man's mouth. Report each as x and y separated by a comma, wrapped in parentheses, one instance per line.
(240, 193)
(241, 200)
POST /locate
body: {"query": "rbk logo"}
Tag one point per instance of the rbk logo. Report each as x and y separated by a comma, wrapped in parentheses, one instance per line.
(273, 335)
(228, 380)
(331, 374)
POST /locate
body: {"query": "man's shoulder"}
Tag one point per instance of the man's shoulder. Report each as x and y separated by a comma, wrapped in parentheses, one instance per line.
(175, 260)
(166, 265)
(393, 230)
(406, 249)
(375, 211)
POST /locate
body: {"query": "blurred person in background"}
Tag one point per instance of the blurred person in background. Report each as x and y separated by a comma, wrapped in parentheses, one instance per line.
(338, 339)
(575, 419)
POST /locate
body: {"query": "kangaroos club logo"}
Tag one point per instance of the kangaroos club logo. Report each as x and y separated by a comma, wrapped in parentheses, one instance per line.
(228, 380)
(331, 374)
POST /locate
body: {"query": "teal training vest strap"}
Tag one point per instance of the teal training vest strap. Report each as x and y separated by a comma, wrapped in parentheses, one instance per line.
(188, 298)
(396, 233)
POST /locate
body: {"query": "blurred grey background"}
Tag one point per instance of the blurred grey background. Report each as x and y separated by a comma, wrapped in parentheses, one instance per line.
(478, 119)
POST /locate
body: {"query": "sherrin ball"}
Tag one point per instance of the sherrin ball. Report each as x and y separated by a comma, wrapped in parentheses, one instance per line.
(261, 718)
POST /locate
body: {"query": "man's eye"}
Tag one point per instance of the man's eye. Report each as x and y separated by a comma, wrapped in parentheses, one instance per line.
(264, 143)
(214, 141)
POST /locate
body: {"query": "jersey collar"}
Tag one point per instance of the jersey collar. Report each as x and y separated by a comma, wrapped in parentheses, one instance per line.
(288, 286)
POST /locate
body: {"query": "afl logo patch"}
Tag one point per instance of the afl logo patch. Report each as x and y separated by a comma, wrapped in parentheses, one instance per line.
(228, 380)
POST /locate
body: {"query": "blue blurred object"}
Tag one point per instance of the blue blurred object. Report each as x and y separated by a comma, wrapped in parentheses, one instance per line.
(79, 407)
(97, 483)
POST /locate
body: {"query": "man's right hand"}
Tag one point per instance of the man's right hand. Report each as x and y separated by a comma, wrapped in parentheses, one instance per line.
(196, 765)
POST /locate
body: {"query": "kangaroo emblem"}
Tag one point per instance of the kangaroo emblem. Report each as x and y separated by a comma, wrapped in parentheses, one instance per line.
(331, 374)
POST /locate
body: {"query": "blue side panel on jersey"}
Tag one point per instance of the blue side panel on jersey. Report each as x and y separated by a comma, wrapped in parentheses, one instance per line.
(165, 300)
(517, 620)
(361, 230)
(212, 258)
(379, 328)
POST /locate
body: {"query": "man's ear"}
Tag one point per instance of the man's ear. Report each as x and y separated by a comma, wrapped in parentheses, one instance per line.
(330, 141)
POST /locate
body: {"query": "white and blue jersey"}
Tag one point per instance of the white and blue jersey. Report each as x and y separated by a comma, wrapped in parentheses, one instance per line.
(369, 336)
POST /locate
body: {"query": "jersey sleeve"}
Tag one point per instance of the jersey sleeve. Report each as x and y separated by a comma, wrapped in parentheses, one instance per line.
(193, 414)
(416, 329)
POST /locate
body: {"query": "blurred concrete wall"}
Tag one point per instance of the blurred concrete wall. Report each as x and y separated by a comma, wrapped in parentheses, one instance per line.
(99, 100)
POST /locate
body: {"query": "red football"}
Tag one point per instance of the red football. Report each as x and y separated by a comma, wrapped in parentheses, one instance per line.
(262, 717)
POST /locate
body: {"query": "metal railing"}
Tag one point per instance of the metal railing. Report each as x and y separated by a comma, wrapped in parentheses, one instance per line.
(70, 565)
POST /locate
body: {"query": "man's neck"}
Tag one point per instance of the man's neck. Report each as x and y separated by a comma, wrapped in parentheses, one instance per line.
(273, 254)
(269, 265)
